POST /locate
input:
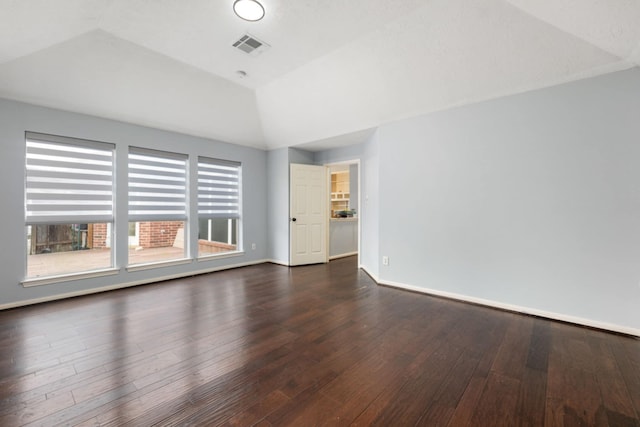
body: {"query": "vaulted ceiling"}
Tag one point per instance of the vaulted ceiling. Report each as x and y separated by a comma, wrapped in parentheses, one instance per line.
(334, 68)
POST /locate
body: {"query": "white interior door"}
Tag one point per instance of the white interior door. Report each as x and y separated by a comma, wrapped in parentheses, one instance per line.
(308, 214)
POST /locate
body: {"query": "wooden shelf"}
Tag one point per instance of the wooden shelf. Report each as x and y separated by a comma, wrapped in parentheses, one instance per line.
(340, 191)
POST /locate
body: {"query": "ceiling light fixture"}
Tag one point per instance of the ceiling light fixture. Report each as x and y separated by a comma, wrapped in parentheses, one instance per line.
(249, 10)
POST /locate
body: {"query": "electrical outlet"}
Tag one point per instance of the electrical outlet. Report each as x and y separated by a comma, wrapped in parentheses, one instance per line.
(385, 260)
(253, 246)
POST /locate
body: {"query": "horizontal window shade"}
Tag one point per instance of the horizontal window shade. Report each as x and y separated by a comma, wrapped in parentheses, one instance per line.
(68, 180)
(218, 188)
(157, 185)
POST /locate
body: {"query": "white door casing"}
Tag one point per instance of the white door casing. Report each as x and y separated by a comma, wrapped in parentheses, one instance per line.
(308, 214)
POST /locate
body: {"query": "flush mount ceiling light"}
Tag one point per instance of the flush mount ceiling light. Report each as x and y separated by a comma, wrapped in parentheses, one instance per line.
(249, 10)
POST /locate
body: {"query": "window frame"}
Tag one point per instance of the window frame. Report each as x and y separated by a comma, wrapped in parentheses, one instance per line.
(190, 205)
(211, 205)
(147, 202)
(50, 164)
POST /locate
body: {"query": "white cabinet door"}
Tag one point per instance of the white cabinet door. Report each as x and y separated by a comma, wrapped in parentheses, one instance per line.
(308, 214)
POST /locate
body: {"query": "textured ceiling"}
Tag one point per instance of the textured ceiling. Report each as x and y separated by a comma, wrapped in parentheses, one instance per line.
(334, 67)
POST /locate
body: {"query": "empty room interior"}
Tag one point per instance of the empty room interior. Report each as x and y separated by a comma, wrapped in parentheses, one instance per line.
(299, 213)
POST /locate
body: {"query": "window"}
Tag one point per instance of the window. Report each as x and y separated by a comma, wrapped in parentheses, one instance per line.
(157, 206)
(218, 206)
(69, 205)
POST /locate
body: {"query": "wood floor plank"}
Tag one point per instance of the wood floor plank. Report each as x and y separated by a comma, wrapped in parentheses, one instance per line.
(416, 393)
(533, 386)
(258, 411)
(33, 412)
(491, 340)
(615, 395)
(513, 355)
(573, 394)
(498, 402)
(629, 372)
(443, 405)
(531, 404)
(466, 407)
(355, 393)
(268, 345)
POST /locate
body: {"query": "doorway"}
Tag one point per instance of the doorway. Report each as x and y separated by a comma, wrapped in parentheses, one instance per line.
(344, 209)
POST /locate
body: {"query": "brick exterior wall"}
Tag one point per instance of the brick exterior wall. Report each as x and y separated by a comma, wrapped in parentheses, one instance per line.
(99, 236)
(158, 234)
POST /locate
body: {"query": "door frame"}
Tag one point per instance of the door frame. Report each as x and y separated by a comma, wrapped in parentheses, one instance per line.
(359, 212)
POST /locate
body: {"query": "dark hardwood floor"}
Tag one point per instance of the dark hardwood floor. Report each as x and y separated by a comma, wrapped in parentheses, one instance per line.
(318, 345)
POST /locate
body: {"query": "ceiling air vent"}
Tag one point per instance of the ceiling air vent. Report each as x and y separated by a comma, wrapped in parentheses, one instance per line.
(251, 45)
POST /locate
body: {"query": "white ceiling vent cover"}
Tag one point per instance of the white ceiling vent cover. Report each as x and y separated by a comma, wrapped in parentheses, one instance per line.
(251, 45)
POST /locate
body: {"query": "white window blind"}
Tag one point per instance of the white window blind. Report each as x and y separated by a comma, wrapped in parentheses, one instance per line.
(68, 180)
(157, 185)
(218, 188)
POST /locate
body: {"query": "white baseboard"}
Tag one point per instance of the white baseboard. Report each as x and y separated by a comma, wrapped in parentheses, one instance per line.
(369, 273)
(459, 297)
(126, 285)
(331, 258)
(511, 307)
(276, 261)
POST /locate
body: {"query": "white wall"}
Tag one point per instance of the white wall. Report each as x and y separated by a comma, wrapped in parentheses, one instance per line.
(343, 237)
(299, 156)
(369, 214)
(530, 201)
(278, 205)
(16, 118)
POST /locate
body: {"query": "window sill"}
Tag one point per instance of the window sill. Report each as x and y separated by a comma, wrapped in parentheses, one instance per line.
(220, 256)
(152, 265)
(39, 281)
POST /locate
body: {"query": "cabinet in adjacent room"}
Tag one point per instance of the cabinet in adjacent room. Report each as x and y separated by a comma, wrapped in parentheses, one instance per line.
(339, 191)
